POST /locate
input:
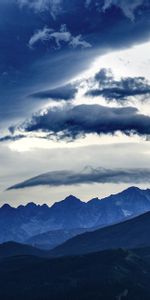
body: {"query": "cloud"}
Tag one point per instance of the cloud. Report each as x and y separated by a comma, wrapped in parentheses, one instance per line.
(119, 90)
(59, 37)
(41, 35)
(71, 122)
(78, 41)
(53, 6)
(102, 84)
(128, 7)
(87, 3)
(87, 176)
(11, 138)
(58, 7)
(30, 71)
(66, 92)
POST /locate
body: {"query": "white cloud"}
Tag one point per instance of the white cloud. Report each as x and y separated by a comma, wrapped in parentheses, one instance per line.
(127, 6)
(38, 161)
(61, 36)
(78, 41)
(54, 6)
(40, 35)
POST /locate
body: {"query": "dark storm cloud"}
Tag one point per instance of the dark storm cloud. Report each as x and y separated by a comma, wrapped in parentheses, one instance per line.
(11, 138)
(87, 176)
(108, 87)
(24, 71)
(76, 121)
(66, 92)
(118, 90)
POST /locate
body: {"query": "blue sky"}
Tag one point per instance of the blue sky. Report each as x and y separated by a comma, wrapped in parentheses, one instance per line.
(75, 87)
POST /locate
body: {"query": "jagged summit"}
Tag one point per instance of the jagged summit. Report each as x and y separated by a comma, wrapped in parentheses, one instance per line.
(132, 189)
(72, 198)
(31, 205)
(6, 207)
(69, 201)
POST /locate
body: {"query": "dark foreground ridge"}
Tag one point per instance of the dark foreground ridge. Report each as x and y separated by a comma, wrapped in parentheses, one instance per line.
(100, 276)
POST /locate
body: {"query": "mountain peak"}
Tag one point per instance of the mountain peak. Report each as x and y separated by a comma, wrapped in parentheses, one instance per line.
(31, 205)
(72, 198)
(44, 206)
(69, 201)
(130, 190)
(133, 188)
(6, 206)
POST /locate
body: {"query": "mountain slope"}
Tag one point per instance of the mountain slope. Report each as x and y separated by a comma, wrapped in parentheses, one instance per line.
(51, 239)
(10, 249)
(113, 274)
(130, 234)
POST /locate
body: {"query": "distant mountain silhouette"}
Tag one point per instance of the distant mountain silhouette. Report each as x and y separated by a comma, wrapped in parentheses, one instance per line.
(113, 274)
(15, 249)
(129, 234)
(22, 223)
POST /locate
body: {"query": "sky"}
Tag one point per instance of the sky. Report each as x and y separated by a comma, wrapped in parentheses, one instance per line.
(75, 98)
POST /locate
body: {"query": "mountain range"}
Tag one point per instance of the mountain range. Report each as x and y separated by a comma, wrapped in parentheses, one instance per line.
(131, 234)
(75, 250)
(48, 227)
